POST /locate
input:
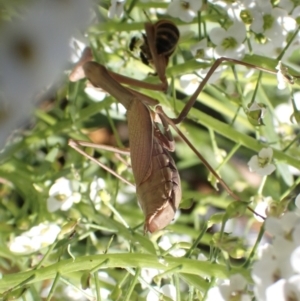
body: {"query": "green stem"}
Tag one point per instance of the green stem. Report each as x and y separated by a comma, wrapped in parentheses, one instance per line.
(52, 246)
(53, 287)
(256, 88)
(290, 189)
(199, 26)
(132, 285)
(177, 286)
(253, 251)
(167, 273)
(196, 242)
(97, 285)
(296, 139)
(261, 186)
(97, 267)
(228, 157)
(288, 44)
(120, 260)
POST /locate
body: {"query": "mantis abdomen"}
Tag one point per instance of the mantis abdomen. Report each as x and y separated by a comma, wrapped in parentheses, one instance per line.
(159, 194)
(156, 176)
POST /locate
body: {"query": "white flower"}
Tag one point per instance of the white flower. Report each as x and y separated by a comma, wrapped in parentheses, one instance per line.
(116, 9)
(282, 76)
(96, 94)
(296, 12)
(167, 290)
(257, 12)
(261, 163)
(202, 257)
(118, 108)
(295, 260)
(214, 77)
(201, 51)
(73, 294)
(229, 43)
(258, 106)
(198, 49)
(273, 265)
(62, 195)
(117, 111)
(263, 47)
(170, 240)
(283, 290)
(147, 275)
(263, 270)
(185, 10)
(293, 170)
(233, 8)
(256, 112)
(283, 226)
(284, 113)
(106, 279)
(125, 195)
(261, 209)
(273, 23)
(287, 5)
(276, 291)
(96, 186)
(228, 289)
(276, 273)
(77, 44)
(36, 238)
(23, 244)
(190, 82)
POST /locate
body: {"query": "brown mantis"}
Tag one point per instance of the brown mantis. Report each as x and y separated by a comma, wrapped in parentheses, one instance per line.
(156, 176)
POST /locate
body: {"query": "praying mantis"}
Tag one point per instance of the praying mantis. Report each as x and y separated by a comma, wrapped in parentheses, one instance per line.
(158, 186)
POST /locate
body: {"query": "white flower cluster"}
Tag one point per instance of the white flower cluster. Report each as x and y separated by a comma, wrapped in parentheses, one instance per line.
(34, 51)
(34, 239)
(258, 28)
(234, 288)
(277, 272)
(64, 193)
